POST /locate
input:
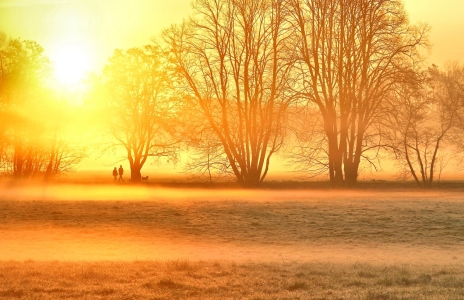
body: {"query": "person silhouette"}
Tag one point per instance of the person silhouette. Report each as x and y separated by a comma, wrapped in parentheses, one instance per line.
(121, 171)
(115, 174)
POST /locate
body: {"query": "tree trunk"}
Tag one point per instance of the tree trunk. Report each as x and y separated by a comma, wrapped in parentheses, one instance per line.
(338, 178)
(352, 162)
(335, 162)
(49, 170)
(29, 170)
(136, 175)
(252, 179)
(18, 162)
(351, 173)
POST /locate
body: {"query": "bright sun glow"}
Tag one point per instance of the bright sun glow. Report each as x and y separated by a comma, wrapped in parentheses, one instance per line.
(70, 64)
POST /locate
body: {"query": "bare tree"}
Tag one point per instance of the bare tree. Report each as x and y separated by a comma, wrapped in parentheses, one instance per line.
(207, 160)
(350, 54)
(233, 58)
(23, 68)
(139, 105)
(40, 137)
(422, 121)
(34, 143)
(307, 147)
(62, 138)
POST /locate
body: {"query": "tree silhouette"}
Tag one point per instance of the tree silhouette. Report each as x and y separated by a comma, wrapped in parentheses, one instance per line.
(423, 119)
(233, 59)
(32, 124)
(349, 56)
(139, 106)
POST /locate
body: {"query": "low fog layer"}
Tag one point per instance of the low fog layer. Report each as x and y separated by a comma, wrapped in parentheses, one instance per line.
(73, 222)
(107, 192)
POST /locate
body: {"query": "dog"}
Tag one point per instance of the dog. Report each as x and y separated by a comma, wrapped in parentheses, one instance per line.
(144, 178)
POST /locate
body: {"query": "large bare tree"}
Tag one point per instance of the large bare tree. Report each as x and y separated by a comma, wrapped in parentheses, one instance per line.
(350, 54)
(424, 120)
(233, 59)
(139, 105)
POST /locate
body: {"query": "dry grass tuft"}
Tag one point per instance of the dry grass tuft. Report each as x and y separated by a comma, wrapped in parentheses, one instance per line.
(182, 279)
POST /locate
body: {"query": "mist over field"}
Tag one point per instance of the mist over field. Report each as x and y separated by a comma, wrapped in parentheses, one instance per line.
(101, 222)
(116, 241)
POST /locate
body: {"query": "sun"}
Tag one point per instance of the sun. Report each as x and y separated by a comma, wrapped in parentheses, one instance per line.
(70, 63)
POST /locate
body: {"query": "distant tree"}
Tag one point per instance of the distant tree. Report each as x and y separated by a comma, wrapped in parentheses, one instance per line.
(424, 119)
(206, 158)
(4, 70)
(139, 105)
(44, 145)
(349, 56)
(24, 71)
(63, 144)
(233, 59)
(307, 150)
(32, 137)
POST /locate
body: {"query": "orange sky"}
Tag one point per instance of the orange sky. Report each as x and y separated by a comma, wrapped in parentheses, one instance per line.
(447, 22)
(90, 30)
(79, 35)
(96, 28)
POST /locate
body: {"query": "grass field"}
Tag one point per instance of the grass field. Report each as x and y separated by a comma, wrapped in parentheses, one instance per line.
(107, 242)
(226, 280)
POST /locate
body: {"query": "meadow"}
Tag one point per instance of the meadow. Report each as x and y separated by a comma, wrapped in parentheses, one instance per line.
(113, 242)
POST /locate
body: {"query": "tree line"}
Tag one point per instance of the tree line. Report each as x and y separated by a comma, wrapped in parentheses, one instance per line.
(35, 133)
(333, 85)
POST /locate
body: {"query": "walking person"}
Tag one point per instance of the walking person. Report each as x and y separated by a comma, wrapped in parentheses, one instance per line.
(115, 174)
(121, 171)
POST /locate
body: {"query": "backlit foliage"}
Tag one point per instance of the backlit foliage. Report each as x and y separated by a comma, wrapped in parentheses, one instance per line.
(138, 105)
(35, 140)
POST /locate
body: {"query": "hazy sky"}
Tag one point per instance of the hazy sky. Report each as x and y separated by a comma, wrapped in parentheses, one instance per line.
(80, 35)
(445, 17)
(95, 28)
(89, 29)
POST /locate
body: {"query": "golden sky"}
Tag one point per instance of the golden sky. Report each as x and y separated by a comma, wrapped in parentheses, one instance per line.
(80, 35)
(90, 30)
(446, 20)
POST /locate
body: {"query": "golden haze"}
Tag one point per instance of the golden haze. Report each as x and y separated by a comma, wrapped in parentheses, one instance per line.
(79, 36)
